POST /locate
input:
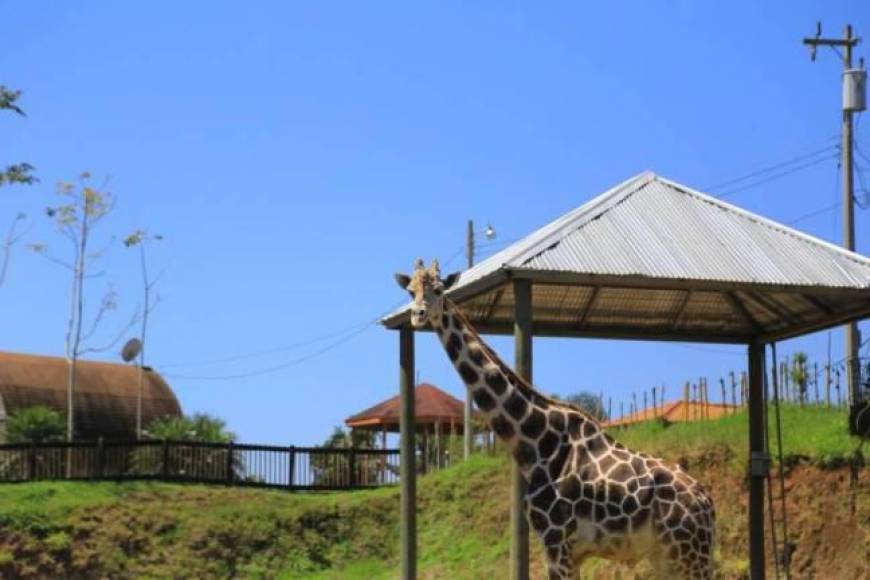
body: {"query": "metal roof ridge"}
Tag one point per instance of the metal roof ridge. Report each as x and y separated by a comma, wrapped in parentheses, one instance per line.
(603, 201)
(513, 253)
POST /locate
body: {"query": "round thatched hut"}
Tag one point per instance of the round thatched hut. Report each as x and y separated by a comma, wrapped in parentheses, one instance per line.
(105, 396)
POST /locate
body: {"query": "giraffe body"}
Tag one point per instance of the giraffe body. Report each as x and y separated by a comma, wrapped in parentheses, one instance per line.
(587, 495)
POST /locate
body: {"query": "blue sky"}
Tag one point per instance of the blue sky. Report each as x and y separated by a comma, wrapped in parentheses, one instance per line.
(295, 156)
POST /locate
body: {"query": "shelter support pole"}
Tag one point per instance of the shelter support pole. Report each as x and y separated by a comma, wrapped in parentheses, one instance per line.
(408, 463)
(523, 365)
(759, 460)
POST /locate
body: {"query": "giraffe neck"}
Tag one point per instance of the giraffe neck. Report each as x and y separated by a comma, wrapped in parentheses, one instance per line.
(535, 428)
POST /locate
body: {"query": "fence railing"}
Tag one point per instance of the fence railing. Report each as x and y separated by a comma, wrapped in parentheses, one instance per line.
(294, 468)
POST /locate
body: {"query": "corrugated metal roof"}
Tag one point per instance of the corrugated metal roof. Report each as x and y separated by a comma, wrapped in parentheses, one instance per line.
(650, 226)
(105, 395)
(654, 240)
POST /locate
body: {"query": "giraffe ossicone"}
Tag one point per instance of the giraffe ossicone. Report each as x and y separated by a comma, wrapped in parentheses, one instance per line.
(587, 495)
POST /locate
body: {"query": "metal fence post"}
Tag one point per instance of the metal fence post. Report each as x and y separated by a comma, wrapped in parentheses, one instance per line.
(291, 467)
(230, 463)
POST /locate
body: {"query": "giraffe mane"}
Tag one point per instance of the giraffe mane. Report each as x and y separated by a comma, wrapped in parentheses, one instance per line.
(491, 356)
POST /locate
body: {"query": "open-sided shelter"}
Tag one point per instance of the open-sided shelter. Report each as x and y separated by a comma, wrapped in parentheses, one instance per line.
(435, 412)
(105, 397)
(438, 419)
(649, 259)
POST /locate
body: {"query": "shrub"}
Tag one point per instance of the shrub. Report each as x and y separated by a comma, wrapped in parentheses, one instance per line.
(36, 424)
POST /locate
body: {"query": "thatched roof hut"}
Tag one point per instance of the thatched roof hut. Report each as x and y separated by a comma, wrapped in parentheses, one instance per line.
(105, 397)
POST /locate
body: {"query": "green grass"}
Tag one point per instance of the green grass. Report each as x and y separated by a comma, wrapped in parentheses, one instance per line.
(815, 433)
(151, 529)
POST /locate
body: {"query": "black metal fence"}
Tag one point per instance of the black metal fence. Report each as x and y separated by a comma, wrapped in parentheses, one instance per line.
(294, 468)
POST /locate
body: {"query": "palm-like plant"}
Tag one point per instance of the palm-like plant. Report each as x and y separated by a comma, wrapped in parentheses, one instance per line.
(194, 461)
(799, 374)
(36, 424)
(198, 427)
(330, 469)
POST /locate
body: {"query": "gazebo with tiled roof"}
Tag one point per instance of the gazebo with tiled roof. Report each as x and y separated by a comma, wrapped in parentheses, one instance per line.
(438, 418)
(436, 411)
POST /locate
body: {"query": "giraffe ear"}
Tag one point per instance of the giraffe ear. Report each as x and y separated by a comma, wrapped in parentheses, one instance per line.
(402, 280)
(450, 280)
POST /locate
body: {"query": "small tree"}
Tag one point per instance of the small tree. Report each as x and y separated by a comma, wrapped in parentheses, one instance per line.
(799, 374)
(329, 469)
(139, 239)
(83, 208)
(20, 173)
(36, 424)
(198, 427)
(206, 463)
(588, 402)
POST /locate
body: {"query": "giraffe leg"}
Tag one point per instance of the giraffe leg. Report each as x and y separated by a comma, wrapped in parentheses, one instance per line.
(560, 564)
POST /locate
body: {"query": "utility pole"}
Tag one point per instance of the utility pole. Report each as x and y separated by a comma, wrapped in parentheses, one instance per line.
(469, 254)
(846, 43)
(466, 432)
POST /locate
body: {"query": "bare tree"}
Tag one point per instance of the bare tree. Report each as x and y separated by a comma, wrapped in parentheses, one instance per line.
(140, 239)
(12, 237)
(21, 173)
(84, 207)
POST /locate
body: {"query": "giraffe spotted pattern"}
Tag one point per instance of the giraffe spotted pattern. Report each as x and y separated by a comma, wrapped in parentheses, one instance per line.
(587, 495)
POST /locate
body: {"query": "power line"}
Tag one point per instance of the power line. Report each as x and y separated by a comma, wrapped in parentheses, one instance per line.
(272, 369)
(265, 352)
(345, 334)
(770, 168)
(814, 213)
(776, 176)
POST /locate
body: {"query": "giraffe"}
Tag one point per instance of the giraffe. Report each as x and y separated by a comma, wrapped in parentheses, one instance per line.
(586, 494)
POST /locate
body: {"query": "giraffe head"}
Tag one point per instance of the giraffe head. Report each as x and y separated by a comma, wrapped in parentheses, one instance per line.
(427, 289)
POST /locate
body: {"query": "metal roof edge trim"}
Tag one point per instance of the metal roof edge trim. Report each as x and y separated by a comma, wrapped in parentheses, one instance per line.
(557, 277)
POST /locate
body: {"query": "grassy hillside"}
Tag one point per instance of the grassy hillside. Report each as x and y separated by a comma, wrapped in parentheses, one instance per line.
(159, 530)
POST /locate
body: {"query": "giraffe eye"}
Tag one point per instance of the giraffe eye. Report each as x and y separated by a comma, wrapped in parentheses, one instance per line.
(438, 291)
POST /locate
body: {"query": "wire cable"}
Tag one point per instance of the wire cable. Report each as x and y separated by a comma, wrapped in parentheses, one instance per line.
(266, 352)
(770, 168)
(291, 363)
(776, 176)
(814, 213)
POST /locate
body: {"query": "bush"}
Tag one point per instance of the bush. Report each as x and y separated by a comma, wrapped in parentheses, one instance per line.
(36, 424)
(209, 464)
(198, 427)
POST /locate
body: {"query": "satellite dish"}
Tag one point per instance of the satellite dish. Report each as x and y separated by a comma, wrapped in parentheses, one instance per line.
(131, 350)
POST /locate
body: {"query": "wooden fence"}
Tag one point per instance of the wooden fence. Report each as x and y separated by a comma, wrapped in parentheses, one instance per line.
(292, 468)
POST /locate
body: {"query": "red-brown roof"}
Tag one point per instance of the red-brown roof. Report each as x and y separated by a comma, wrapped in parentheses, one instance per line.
(105, 396)
(431, 406)
(675, 412)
